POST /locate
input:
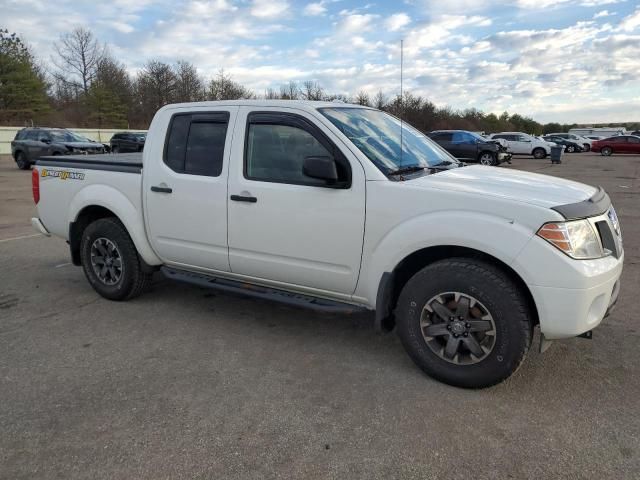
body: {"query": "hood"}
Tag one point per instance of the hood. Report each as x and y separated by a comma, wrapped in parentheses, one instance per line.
(83, 145)
(540, 190)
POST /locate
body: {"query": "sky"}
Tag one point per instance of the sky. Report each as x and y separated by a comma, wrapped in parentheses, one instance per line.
(554, 60)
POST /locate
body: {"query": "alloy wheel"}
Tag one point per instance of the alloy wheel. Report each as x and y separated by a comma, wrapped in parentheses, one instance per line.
(106, 261)
(458, 328)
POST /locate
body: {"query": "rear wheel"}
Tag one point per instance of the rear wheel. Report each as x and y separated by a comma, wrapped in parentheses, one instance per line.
(487, 158)
(115, 149)
(539, 153)
(464, 322)
(111, 262)
(587, 147)
(22, 162)
(606, 151)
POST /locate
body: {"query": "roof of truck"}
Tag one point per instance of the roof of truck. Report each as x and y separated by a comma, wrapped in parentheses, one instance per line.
(302, 104)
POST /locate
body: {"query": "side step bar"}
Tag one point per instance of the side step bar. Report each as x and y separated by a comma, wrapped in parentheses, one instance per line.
(256, 291)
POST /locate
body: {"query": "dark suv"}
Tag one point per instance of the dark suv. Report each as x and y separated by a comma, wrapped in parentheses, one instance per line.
(34, 142)
(471, 147)
(128, 142)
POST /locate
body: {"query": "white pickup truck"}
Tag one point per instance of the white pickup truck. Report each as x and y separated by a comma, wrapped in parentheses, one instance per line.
(318, 204)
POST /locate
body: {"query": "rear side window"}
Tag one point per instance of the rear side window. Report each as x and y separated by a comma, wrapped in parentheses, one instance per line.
(195, 143)
(463, 137)
(443, 137)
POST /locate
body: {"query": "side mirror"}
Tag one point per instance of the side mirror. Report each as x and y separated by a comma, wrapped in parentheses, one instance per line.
(323, 168)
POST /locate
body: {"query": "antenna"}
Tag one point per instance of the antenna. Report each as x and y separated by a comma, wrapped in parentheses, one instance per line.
(401, 97)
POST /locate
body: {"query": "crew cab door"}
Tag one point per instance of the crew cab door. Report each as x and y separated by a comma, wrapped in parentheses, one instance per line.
(465, 146)
(285, 227)
(185, 187)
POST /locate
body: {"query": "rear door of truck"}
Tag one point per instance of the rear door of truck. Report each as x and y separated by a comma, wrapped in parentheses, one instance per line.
(185, 187)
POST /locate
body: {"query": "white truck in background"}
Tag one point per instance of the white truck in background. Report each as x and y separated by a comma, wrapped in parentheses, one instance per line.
(329, 206)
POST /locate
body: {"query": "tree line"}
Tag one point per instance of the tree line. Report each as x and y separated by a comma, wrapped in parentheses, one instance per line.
(83, 85)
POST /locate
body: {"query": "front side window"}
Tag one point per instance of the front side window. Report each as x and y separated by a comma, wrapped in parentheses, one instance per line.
(633, 140)
(276, 152)
(389, 144)
(195, 143)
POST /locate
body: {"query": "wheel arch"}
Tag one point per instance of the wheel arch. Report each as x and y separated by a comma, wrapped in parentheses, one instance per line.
(392, 283)
(88, 207)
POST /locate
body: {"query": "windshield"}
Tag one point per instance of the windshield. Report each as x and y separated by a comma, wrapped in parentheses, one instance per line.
(377, 135)
(65, 136)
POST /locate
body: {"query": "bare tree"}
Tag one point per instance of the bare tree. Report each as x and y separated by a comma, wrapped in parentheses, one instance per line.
(362, 98)
(189, 85)
(78, 56)
(312, 91)
(155, 88)
(223, 87)
(271, 94)
(380, 100)
(291, 91)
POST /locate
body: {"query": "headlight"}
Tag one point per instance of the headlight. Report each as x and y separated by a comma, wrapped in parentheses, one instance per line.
(577, 238)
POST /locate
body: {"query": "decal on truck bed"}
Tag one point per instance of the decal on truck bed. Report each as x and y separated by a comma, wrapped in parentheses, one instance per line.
(62, 174)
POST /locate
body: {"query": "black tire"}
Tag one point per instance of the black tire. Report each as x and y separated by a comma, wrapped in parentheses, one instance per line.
(22, 162)
(571, 149)
(130, 281)
(495, 292)
(586, 147)
(539, 153)
(115, 149)
(487, 158)
(606, 151)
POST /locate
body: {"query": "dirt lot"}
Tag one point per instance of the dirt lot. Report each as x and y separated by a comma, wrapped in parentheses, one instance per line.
(187, 383)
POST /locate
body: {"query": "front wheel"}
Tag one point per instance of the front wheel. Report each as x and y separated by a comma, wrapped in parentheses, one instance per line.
(115, 149)
(487, 158)
(539, 153)
(571, 149)
(606, 151)
(464, 322)
(110, 260)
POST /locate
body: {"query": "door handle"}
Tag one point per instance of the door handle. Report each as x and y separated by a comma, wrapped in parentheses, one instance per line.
(161, 189)
(243, 198)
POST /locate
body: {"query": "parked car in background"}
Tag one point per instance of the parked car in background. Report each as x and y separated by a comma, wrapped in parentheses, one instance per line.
(519, 143)
(602, 132)
(584, 142)
(570, 146)
(617, 144)
(107, 147)
(471, 147)
(32, 143)
(123, 142)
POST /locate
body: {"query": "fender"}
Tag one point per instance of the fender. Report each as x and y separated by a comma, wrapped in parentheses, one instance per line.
(496, 236)
(121, 206)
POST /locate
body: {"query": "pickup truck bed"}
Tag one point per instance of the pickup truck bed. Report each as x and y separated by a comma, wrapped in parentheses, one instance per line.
(114, 162)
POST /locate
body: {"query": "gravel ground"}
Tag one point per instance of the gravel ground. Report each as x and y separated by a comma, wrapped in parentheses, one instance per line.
(188, 383)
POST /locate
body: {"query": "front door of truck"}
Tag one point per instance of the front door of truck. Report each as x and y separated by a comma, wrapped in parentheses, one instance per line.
(185, 188)
(285, 227)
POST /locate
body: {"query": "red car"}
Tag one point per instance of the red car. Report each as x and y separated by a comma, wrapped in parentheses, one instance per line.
(618, 144)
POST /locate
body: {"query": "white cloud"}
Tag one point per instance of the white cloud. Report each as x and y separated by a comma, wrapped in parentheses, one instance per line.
(602, 14)
(356, 23)
(631, 22)
(397, 21)
(269, 8)
(315, 9)
(599, 3)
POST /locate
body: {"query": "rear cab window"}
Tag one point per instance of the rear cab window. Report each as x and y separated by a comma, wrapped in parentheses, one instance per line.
(195, 143)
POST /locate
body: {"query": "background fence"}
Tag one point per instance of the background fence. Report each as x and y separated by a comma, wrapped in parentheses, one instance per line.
(100, 135)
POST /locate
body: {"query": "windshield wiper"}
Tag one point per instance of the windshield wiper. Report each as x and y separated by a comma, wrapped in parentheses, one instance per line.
(408, 169)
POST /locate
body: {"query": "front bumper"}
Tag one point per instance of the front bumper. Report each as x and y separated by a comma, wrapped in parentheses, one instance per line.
(571, 296)
(504, 157)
